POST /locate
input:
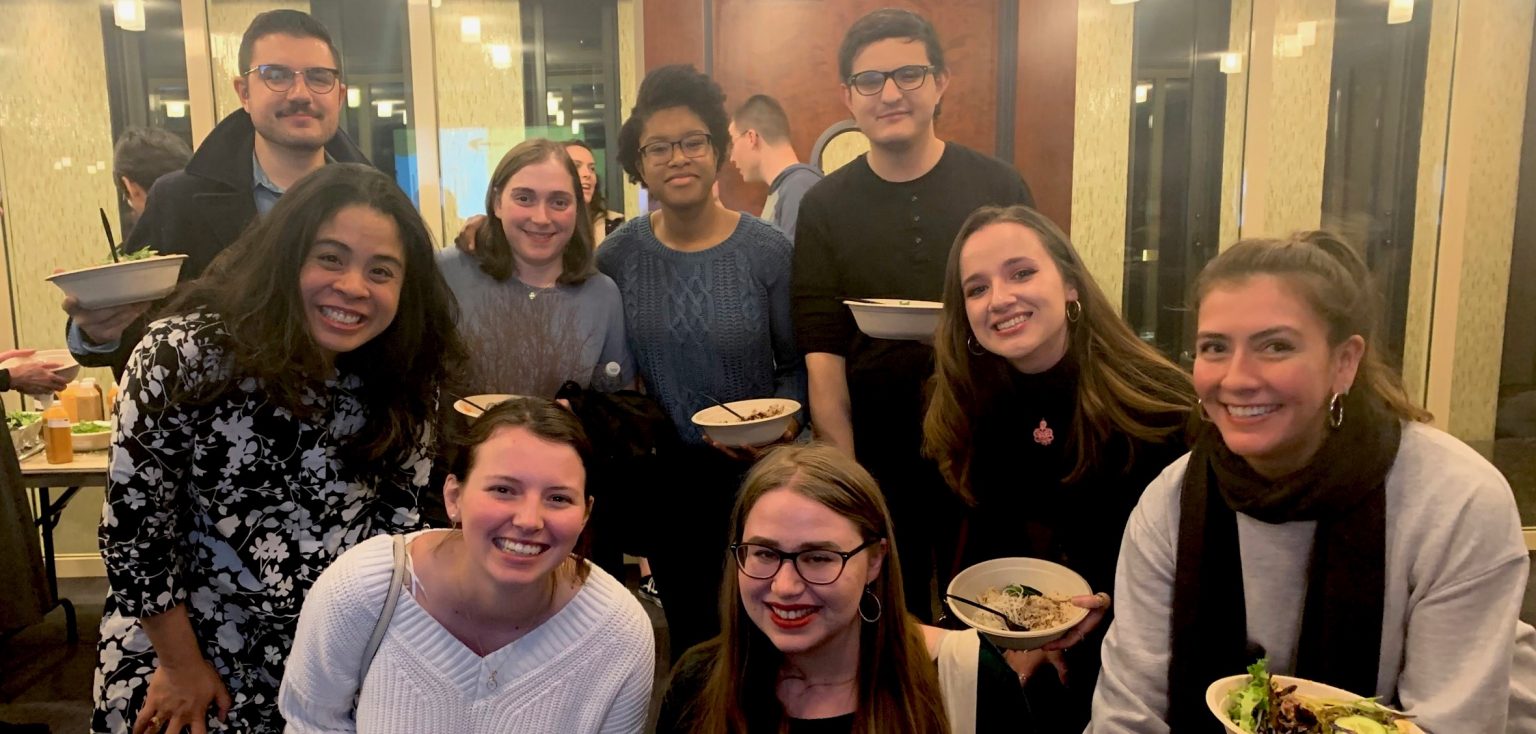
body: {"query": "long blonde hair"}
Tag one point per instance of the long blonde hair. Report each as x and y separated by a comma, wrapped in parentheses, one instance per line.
(1122, 380)
(1330, 276)
(898, 689)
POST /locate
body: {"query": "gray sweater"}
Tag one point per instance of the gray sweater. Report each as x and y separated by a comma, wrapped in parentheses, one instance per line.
(1455, 570)
(528, 341)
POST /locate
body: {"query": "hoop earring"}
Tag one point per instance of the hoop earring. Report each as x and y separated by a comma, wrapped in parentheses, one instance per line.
(974, 347)
(1336, 411)
(1074, 314)
(879, 609)
(1200, 410)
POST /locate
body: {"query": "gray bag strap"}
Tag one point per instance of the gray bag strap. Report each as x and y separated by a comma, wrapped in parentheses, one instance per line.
(396, 580)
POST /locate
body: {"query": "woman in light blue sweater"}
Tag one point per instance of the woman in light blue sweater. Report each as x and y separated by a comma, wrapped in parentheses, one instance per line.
(706, 307)
(1318, 522)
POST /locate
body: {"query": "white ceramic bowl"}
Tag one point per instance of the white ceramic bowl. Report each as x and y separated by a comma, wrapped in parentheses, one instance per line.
(115, 284)
(892, 318)
(93, 441)
(1049, 578)
(487, 401)
(68, 368)
(729, 430)
(1216, 698)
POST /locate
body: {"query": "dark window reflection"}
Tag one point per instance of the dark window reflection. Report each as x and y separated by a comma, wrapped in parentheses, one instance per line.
(1178, 107)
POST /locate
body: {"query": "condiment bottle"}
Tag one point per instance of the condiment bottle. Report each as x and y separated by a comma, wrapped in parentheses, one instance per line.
(88, 401)
(60, 447)
(67, 398)
(112, 401)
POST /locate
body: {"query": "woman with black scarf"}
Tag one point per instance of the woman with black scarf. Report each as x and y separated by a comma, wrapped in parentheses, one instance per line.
(1318, 521)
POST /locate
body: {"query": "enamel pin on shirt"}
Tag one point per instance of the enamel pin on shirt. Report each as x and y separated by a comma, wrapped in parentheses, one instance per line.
(1044, 435)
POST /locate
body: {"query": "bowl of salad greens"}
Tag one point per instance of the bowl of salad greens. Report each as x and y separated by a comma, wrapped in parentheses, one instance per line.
(26, 429)
(91, 435)
(142, 275)
(1260, 703)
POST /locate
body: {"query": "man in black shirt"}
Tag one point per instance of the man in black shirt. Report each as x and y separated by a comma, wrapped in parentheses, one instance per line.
(881, 227)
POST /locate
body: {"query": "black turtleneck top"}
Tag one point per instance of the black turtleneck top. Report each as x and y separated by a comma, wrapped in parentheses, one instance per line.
(1025, 507)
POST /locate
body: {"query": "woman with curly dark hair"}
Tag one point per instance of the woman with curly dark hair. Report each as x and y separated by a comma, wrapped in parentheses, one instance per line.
(706, 308)
(281, 413)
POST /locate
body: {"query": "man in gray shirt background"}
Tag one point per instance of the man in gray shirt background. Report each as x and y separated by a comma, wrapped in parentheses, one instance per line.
(760, 148)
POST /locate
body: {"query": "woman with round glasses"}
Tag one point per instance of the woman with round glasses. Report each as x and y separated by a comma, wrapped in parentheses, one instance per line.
(816, 635)
(706, 309)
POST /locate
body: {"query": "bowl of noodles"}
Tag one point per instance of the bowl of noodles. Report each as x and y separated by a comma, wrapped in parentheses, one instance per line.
(766, 420)
(1032, 592)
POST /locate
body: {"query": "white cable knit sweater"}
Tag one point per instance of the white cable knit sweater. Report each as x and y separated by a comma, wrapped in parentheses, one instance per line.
(587, 669)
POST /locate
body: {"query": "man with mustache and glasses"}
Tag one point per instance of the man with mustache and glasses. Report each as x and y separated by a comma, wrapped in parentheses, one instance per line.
(291, 96)
(881, 227)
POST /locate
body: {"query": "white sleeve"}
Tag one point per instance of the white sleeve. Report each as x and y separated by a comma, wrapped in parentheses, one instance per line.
(628, 713)
(320, 682)
(1132, 694)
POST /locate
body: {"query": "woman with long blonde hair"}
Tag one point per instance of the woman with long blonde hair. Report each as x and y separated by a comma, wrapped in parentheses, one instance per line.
(815, 633)
(1049, 417)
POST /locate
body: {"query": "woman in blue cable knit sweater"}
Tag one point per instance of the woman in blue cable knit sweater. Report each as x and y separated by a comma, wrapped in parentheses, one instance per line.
(706, 308)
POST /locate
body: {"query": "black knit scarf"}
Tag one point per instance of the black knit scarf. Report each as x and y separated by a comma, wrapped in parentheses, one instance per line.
(1344, 490)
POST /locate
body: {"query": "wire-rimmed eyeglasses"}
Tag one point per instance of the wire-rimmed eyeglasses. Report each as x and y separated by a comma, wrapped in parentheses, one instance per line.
(279, 78)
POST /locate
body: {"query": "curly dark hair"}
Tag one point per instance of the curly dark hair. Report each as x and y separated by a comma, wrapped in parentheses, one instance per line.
(253, 286)
(678, 85)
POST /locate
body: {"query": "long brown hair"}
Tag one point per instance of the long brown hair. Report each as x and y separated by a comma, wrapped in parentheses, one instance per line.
(491, 247)
(1330, 276)
(254, 288)
(898, 684)
(599, 204)
(1122, 380)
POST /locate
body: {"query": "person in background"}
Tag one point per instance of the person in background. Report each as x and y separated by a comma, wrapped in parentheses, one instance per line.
(27, 595)
(1319, 522)
(761, 150)
(291, 94)
(881, 227)
(141, 157)
(816, 636)
(530, 298)
(280, 415)
(1035, 368)
(508, 628)
(706, 308)
(603, 220)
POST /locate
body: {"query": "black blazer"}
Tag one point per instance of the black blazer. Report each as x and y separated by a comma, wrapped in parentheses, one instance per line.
(200, 211)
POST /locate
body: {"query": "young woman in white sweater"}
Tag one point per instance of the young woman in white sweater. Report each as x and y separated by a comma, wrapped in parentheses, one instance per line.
(1318, 521)
(501, 627)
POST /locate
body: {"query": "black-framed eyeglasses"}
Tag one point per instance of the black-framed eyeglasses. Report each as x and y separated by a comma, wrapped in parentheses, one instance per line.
(694, 145)
(907, 78)
(820, 566)
(279, 78)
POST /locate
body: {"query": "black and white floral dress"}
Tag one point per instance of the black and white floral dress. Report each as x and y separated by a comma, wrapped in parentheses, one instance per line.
(232, 508)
